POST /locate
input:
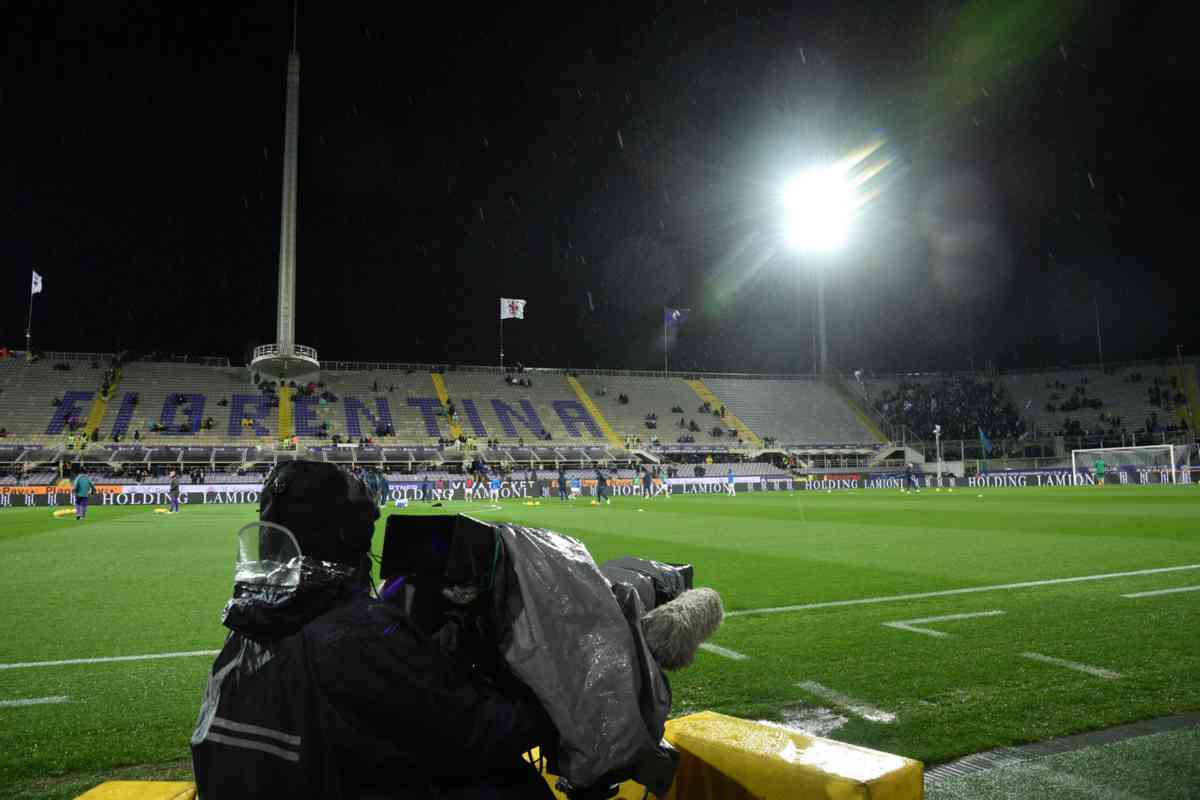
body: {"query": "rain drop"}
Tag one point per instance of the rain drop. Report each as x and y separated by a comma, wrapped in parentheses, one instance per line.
(1091, 181)
(620, 140)
(481, 218)
(1063, 51)
(803, 60)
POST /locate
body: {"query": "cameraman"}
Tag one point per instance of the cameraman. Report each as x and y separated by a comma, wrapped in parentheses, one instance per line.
(322, 691)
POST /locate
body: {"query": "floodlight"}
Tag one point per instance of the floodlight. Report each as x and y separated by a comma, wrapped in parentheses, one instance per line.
(818, 205)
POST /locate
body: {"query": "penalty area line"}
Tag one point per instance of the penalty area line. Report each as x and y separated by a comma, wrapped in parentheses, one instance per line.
(999, 587)
(911, 624)
(1075, 665)
(851, 704)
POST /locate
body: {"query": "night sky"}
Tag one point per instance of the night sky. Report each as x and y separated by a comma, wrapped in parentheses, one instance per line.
(1039, 165)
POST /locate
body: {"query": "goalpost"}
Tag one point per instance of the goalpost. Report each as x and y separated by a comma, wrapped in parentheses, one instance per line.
(1159, 461)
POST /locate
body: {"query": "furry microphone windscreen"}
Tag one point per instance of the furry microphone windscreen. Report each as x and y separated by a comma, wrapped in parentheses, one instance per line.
(674, 631)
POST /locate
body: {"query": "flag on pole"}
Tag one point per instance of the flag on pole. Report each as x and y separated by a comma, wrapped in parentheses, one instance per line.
(985, 443)
(511, 308)
(674, 317)
(36, 287)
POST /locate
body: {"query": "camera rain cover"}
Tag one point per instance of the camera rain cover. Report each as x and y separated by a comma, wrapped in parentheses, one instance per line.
(276, 588)
(571, 643)
(268, 555)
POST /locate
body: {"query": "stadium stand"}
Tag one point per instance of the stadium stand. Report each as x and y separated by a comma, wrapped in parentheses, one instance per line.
(1128, 403)
(403, 407)
(490, 407)
(1079, 402)
(28, 392)
(961, 404)
(155, 394)
(796, 411)
(388, 397)
(650, 395)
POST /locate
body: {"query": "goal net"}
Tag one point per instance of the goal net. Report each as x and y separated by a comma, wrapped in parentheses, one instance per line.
(1159, 463)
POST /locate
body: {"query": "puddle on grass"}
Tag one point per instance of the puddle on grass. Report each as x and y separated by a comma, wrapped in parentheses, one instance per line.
(808, 720)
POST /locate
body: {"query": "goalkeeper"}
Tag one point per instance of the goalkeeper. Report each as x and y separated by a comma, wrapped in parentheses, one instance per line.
(1099, 467)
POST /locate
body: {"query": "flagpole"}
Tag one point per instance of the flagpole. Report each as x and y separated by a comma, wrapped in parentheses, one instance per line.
(666, 368)
(502, 343)
(29, 325)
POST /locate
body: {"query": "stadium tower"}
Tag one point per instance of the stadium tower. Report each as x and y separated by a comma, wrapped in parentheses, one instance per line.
(285, 358)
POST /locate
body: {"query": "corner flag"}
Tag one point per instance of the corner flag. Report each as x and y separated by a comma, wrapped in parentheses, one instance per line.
(36, 287)
(511, 308)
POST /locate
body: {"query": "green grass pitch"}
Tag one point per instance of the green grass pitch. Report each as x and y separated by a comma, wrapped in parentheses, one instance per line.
(127, 581)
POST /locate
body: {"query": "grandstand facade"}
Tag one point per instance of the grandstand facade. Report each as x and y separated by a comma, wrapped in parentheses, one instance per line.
(88, 408)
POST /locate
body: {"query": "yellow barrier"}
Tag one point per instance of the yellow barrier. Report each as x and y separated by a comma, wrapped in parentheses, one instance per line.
(285, 412)
(592, 409)
(706, 394)
(721, 758)
(862, 415)
(1186, 381)
(439, 386)
(726, 758)
(141, 790)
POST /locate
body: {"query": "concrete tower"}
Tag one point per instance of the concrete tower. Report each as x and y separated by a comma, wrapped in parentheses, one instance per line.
(285, 357)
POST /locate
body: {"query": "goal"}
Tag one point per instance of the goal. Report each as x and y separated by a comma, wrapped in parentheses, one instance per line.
(1157, 463)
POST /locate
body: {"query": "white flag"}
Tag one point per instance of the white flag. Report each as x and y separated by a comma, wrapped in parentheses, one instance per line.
(37, 284)
(511, 308)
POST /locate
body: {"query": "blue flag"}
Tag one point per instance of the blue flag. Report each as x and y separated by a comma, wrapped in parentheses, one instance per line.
(985, 443)
(674, 317)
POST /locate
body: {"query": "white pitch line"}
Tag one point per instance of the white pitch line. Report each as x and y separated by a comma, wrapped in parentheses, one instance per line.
(107, 659)
(34, 701)
(1164, 591)
(911, 624)
(1075, 665)
(721, 651)
(851, 704)
(862, 601)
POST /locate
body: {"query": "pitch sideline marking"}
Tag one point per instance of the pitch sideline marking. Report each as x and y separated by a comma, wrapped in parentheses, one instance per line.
(862, 601)
(1075, 665)
(851, 704)
(722, 651)
(1164, 591)
(34, 701)
(911, 624)
(107, 659)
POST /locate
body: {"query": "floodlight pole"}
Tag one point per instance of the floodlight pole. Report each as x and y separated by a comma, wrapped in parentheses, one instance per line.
(822, 340)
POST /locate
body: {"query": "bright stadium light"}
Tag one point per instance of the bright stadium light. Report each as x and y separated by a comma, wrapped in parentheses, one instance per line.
(818, 207)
